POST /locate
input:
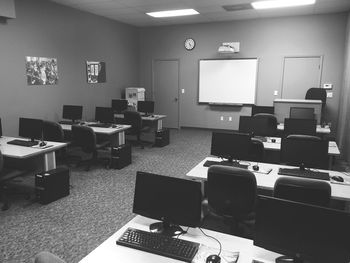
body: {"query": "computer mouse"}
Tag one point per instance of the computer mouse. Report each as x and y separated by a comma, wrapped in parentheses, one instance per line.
(41, 144)
(337, 178)
(256, 167)
(114, 126)
(213, 259)
(273, 140)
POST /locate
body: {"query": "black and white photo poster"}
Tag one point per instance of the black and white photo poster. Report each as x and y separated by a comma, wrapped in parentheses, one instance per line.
(41, 71)
(96, 72)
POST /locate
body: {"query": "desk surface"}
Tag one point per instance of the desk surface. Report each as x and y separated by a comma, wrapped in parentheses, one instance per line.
(319, 129)
(21, 152)
(340, 191)
(108, 251)
(153, 117)
(100, 130)
(298, 101)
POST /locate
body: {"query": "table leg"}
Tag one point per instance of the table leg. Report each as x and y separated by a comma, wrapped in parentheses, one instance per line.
(159, 124)
(49, 161)
(121, 138)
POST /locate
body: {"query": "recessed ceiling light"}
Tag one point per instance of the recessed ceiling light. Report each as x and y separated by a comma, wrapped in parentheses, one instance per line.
(281, 3)
(170, 13)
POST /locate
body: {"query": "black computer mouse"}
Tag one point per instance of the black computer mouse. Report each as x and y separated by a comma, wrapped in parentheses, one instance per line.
(213, 259)
(337, 178)
(41, 144)
(256, 167)
(273, 140)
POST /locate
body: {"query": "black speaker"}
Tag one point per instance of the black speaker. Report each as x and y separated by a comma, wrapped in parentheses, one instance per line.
(121, 156)
(52, 185)
(162, 138)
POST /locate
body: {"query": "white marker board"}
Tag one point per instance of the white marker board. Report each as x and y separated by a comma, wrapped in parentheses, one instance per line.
(228, 81)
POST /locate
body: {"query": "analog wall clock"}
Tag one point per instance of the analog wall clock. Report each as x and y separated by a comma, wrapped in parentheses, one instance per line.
(190, 43)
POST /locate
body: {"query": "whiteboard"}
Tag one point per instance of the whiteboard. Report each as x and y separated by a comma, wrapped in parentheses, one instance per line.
(228, 81)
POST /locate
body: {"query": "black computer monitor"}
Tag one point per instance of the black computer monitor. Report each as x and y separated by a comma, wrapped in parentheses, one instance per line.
(302, 113)
(72, 112)
(119, 105)
(305, 153)
(146, 106)
(104, 115)
(30, 128)
(300, 126)
(174, 201)
(256, 126)
(302, 231)
(231, 146)
(262, 109)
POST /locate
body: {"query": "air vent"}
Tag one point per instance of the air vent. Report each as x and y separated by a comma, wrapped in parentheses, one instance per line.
(238, 7)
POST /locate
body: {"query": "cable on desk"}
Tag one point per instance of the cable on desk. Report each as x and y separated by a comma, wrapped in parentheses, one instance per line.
(212, 238)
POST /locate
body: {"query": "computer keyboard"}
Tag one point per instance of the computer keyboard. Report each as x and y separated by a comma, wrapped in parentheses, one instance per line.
(304, 173)
(159, 244)
(23, 143)
(100, 125)
(233, 164)
(68, 122)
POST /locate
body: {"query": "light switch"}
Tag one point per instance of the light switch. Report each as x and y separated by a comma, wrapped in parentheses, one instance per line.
(275, 93)
(229, 118)
(182, 91)
(328, 86)
(329, 94)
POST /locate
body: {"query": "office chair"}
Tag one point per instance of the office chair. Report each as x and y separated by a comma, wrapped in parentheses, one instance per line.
(257, 151)
(84, 137)
(317, 94)
(262, 109)
(47, 257)
(315, 192)
(52, 131)
(300, 126)
(266, 124)
(134, 119)
(231, 194)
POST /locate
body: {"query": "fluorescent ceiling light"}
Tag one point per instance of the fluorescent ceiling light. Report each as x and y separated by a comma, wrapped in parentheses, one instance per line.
(170, 13)
(281, 3)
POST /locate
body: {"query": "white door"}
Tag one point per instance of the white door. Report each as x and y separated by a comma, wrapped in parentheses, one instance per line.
(300, 74)
(166, 91)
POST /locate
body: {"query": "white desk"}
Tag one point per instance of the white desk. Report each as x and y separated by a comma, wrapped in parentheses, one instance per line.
(340, 191)
(319, 129)
(152, 118)
(45, 154)
(109, 252)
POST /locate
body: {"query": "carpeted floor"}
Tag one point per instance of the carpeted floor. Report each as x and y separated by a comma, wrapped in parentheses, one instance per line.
(100, 202)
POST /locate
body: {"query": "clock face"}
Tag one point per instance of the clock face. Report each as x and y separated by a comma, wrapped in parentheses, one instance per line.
(189, 43)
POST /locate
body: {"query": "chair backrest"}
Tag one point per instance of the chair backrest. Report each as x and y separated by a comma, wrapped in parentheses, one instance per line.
(316, 94)
(257, 151)
(303, 190)
(52, 131)
(262, 109)
(231, 191)
(300, 126)
(265, 124)
(1, 162)
(134, 119)
(84, 137)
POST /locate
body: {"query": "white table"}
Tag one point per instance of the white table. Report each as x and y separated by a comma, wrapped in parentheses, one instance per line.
(109, 252)
(319, 129)
(158, 119)
(45, 155)
(340, 191)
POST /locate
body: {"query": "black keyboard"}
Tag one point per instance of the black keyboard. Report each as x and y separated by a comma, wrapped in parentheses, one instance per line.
(304, 173)
(100, 125)
(22, 143)
(68, 122)
(232, 164)
(159, 244)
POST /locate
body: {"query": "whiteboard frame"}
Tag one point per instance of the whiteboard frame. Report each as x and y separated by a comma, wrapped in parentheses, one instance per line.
(229, 104)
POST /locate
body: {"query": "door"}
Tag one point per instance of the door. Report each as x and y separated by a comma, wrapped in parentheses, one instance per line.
(300, 74)
(166, 91)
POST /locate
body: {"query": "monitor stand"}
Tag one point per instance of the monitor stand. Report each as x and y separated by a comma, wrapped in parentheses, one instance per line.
(166, 228)
(286, 259)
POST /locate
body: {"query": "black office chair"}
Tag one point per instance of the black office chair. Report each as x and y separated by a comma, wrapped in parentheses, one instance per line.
(266, 123)
(231, 194)
(257, 151)
(299, 126)
(52, 131)
(84, 137)
(134, 119)
(315, 192)
(262, 109)
(317, 94)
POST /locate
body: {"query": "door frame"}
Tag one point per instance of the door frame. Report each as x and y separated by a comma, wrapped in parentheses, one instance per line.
(178, 81)
(321, 57)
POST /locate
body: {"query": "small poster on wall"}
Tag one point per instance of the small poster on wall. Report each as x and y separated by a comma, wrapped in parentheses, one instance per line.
(41, 71)
(96, 72)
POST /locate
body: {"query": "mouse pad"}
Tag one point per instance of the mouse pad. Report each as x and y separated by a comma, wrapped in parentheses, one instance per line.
(205, 251)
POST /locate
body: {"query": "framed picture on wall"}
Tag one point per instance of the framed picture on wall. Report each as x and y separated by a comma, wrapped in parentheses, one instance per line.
(41, 71)
(95, 72)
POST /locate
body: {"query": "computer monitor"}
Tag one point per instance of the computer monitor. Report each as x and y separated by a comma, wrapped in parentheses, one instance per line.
(300, 126)
(30, 128)
(231, 146)
(119, 105)
(305, 153)
(174, 201)
(104, 115)
(256, 126)
(262, 109)
(72, 112)
(302, 113)
(146, 106)
(302, 232)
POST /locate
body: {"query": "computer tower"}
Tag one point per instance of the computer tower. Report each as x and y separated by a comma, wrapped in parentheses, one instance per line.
(162, 138)
(52, 185)
(121, 156)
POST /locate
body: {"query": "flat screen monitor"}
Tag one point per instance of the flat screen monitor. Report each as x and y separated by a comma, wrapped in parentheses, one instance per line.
(257, 126)
(174, 201)
(119, 105)
(231, 146)
(301, 231)
(104, 115)
(302, 113)
(300, 126)
(262, 109)
(72, 112)
(30, 128)
(305, 153)
(146, 106)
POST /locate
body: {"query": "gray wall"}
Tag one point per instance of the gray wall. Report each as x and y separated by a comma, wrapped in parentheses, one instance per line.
(268, 39)
(46, 29)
